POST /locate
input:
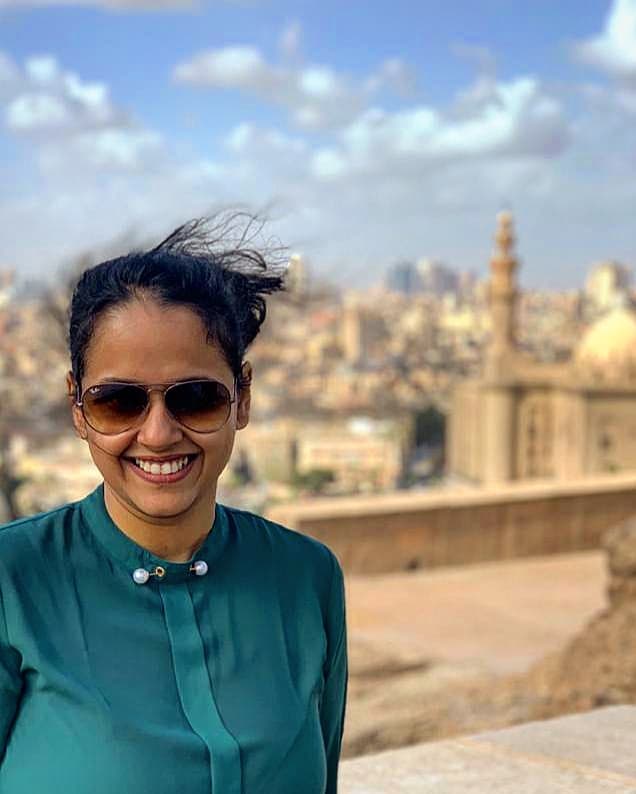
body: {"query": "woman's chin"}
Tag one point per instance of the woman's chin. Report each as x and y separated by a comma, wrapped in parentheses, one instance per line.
(164, 505)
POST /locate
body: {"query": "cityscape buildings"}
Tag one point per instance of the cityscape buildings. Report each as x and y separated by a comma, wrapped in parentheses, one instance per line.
(463, 379)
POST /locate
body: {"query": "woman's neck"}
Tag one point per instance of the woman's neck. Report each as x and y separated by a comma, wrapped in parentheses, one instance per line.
(175, 539)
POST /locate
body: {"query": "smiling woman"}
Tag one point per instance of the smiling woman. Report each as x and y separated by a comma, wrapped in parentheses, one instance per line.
(150, 637)
(134, 432)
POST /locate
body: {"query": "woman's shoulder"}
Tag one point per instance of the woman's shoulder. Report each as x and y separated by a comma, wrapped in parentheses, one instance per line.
(288, 542)
(302, 564)
(32, 531)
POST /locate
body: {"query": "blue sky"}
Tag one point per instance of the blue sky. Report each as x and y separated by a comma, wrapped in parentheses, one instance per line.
(371, 131)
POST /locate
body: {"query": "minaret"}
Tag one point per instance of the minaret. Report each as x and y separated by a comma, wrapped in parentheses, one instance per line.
(503, 287)
(499, 403)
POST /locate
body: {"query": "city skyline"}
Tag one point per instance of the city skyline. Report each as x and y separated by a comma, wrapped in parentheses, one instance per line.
(367, 137)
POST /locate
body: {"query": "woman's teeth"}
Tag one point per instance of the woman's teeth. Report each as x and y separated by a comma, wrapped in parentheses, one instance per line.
(169, 467)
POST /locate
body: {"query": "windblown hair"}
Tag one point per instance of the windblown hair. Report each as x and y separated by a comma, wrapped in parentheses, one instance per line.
(216, 266)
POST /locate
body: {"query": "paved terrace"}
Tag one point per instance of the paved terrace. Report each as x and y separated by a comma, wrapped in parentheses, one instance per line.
(591, 753)
(499, 617)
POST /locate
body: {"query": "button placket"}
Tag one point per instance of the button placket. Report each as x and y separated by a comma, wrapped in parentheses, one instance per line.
(196, 691)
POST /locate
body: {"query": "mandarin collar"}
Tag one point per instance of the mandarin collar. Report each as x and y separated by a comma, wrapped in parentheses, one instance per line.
(98, 521)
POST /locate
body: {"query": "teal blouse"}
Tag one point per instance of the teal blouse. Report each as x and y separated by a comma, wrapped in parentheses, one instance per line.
(230, 681)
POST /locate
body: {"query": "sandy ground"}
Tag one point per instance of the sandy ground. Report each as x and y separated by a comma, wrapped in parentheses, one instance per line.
(499, 617)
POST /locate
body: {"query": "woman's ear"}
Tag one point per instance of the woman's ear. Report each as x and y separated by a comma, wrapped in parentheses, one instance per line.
(244, 395)
(78, 417)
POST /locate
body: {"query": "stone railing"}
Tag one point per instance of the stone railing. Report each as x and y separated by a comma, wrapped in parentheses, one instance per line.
(585, 753)
(409, 530)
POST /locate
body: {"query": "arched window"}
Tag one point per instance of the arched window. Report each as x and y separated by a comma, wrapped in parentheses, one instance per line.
(535, 439)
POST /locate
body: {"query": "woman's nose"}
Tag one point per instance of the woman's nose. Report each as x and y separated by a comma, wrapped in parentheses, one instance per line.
(159, 428)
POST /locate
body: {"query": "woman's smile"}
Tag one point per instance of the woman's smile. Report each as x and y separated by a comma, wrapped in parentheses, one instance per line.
(162, 471)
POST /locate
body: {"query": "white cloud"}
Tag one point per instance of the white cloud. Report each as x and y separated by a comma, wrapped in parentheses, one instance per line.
(315, 96)
(328, 164)
(318, 82)
(395, 75)
(127, 149)
(231, 67)
(43, 69)
(72, 124)
(45, 99)
(614, 50)
(249, 139)
(107, 150)
(265, 164)
(514, 119)
(37, 111)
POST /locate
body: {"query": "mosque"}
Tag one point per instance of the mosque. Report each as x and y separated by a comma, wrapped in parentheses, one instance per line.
(527, 419)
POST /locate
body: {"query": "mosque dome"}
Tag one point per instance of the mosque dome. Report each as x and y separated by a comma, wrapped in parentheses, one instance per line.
(608, 348)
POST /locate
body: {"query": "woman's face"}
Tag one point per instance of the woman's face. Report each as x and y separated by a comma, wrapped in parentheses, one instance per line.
(147, 343)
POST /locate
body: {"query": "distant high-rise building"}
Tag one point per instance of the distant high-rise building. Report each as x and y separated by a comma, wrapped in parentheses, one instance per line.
(607, 286)
(362, 332)
(7, 282)
(466, 283)
(436, 278)
(296, 277)
(403, 277)
(7, 285)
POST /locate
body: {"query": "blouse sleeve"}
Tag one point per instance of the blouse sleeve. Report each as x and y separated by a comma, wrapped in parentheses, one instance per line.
(10, 682)
(332, 709)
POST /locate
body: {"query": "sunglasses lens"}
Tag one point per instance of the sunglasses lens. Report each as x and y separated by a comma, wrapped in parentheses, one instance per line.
(202, 406)
(114, 407)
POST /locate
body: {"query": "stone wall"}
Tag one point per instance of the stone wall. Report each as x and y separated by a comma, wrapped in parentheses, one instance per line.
(409, 530)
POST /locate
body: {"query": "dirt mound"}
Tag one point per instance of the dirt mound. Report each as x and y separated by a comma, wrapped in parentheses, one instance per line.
(598, 666)
(393, 703)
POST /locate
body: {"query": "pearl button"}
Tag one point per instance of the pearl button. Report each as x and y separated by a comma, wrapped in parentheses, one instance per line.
(140, 576)
(200, 568)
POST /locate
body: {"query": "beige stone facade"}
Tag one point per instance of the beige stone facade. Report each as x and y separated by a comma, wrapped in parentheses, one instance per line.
(523, 419)
(362, 454)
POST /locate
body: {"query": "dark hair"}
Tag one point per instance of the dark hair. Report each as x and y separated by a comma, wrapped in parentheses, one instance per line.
(211, 265)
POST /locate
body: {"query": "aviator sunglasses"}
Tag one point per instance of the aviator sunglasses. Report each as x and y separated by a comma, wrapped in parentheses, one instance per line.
(200, 405)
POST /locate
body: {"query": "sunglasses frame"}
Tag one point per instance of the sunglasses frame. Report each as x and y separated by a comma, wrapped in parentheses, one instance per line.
(163, 388)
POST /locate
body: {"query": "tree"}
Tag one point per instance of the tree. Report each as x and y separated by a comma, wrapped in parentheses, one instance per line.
(314, 480)
(10, 411)
(430, 427)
